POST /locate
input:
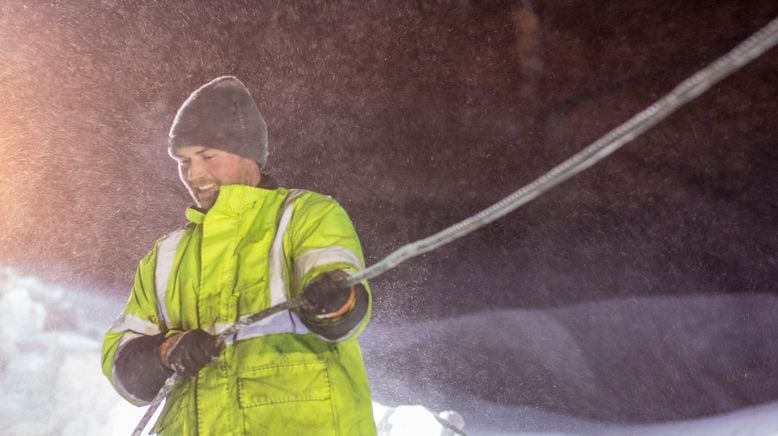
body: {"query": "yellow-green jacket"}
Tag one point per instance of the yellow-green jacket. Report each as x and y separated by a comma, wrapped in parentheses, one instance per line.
(276, 377)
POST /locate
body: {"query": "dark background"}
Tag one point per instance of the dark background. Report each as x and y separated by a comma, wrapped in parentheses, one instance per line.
(414, 115)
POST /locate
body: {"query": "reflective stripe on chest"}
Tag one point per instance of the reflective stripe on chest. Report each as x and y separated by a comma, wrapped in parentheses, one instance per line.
(284, 322)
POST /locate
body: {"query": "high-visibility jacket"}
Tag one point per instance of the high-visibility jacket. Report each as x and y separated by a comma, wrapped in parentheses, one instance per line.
(246, 253)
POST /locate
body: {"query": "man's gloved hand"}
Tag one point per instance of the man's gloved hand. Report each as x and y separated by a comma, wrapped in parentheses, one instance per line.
(327, 298)
(186, 353)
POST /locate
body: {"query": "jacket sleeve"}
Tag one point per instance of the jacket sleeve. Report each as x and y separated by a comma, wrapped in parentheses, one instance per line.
(322, 238)
(130, 357)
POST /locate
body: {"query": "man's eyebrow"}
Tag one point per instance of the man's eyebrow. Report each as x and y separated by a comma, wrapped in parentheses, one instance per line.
(199, 152)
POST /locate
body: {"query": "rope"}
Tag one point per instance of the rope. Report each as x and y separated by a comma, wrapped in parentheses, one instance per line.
(758, 43)
(743, 53)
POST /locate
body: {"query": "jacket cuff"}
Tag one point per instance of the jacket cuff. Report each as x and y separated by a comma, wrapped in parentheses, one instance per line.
(139, 368)
(340, 328)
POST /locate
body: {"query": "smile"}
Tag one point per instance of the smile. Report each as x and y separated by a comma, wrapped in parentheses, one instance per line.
(207, 187)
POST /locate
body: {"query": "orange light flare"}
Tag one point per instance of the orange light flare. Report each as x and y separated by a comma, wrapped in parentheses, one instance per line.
(35, 90)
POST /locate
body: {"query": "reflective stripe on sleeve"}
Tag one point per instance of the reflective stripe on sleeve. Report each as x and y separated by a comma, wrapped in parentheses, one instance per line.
(166, 253)
(132, 323)
(323, 256)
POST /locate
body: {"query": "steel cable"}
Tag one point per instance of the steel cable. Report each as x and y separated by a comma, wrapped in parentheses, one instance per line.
(758, 43)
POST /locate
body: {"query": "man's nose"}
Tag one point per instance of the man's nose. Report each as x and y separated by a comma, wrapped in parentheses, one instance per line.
(195, 171)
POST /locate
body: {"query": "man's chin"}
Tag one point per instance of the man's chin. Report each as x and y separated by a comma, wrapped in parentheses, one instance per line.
(206, 203)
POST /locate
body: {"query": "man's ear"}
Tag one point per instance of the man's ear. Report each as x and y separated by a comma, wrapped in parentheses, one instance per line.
(254, 169)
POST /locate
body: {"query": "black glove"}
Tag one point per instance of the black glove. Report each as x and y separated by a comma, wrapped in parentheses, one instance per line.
(186, 353)
(327, 297)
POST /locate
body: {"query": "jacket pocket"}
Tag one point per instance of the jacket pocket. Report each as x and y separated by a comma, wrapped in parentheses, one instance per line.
(299, 381)
(289, 399)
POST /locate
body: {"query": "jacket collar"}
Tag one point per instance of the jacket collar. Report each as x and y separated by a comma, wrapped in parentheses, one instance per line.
(234, 199)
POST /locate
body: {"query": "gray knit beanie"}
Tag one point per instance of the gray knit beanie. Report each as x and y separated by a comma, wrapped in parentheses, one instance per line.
(221, 114)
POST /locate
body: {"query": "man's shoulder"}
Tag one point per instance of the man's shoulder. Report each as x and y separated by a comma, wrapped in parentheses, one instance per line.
(165, 243)
(175, 233)
(310, 201)
(172, 238)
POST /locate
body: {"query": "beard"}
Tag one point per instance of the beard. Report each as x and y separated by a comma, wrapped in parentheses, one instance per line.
(205, 199)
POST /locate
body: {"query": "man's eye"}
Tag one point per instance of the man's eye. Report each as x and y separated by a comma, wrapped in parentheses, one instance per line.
(207, 156)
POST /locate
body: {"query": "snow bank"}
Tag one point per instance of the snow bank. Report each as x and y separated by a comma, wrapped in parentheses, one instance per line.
(50, 379)
(573, 369)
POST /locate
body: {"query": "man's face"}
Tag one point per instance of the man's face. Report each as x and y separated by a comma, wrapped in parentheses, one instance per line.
(204, 170)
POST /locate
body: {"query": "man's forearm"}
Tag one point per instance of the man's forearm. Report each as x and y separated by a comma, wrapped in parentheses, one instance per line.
(139, 368)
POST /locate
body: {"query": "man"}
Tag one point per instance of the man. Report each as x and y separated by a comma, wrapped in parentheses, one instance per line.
(248, 245)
